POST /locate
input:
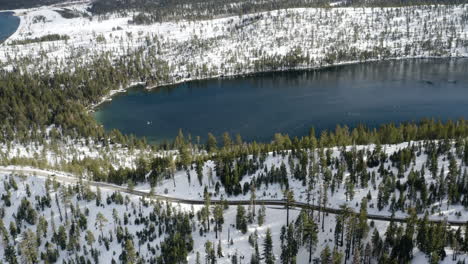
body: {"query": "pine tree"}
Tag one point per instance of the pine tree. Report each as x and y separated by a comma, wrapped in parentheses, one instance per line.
(130, 253)
(220, 250)
(211, 145)
(289, 246)
(227, 142)
(325, 255)
(261, 215)
(268, 255)
(28, 246)
(337, 257)
(206, 209)
(289, 198)
(3, 234)
(62, 237)
(338, 229)
(89, 237)
(362, 228)
(199, 170)
(101, 221)
(452, 178)
(422, 239)
(241, 222)
(252, 203)
(10, 254)
(219, 218)
(357, 256)
(98, 196)
(210, 255)
(254, 259)
(324, 204)
(13, 230)
(310, 235)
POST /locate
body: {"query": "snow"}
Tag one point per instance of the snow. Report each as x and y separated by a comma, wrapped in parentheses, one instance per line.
(233, 45)
(55, 153)
(275, 219)
(181, 188)
(225, 46)
(420, 258)
(275, 216)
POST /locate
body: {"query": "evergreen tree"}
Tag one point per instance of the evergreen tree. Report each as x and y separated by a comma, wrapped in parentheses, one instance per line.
(210, 255)
(362, 228)
(101, 221)
(220, 250)
(89, 237)
(337, 257)
(289, 198)
(325, 255)
(211, 144)
(10, 254)
(130, 253)
(98, 196)
(206, 212)
(62, 237)
(268, 255)
(261, 215)
(241, 222)
(310, 235)
(289, 246)
(219, 218)
(357, 256)
(28, 246)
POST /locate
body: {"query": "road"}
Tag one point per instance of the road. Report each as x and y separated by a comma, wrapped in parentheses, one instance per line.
(68, 178)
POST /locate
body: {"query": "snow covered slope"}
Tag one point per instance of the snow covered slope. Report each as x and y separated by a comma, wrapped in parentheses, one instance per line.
(282, 39)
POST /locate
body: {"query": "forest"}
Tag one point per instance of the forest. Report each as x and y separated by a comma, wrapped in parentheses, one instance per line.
(72, 192)
(8, 4)
(51, 37)
(82, 223)
(157, 11)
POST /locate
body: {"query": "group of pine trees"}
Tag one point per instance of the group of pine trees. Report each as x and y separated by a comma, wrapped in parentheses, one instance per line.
(152, 12)
(60, 225)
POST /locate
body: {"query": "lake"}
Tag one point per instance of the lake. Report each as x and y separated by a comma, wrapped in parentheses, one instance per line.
(8, 25)
(260, 105)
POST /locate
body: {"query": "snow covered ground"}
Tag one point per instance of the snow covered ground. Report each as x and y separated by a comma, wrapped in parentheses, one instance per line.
(181, 188)
(57, 156)
(114, 213)
(275, 219)
(58, 153)
(281, 39)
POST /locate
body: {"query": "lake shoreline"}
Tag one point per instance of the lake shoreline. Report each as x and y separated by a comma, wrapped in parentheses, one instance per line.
(20, 21)
(259, 105)
(112, 93)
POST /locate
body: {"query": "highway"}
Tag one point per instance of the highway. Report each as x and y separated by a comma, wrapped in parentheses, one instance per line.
(61, 177)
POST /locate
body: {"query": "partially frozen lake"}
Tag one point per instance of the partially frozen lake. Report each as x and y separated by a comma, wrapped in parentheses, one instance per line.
(258, 106)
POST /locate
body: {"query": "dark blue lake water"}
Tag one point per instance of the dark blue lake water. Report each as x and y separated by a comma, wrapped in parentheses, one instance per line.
(291, 102)
(8, 25)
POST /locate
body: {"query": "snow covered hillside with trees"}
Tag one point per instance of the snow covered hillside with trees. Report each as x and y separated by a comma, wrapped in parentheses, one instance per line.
(174, 51)
(407, 166)
(73, 193)
(45, 218)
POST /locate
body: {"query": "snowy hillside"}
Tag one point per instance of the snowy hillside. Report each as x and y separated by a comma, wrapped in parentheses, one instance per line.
(181, 187)
(175, 51)
(65, 212)
(73, 208)
(71, 192)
